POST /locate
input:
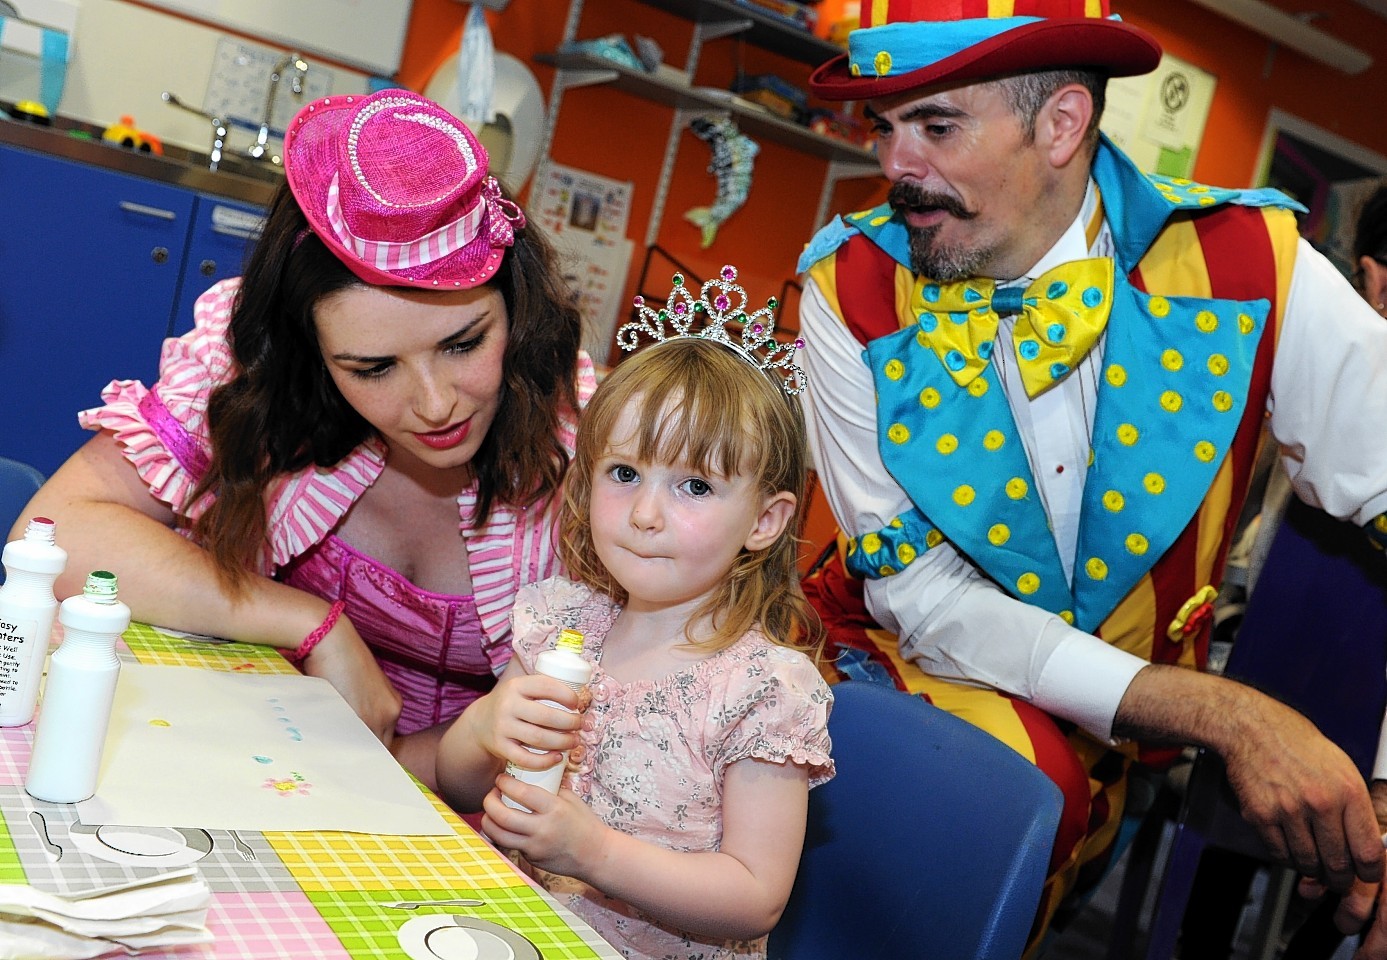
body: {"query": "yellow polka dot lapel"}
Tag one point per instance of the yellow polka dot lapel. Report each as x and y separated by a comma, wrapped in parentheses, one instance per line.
(1059, 317)
(1172, 390)
(957, 454)
(1172, 393)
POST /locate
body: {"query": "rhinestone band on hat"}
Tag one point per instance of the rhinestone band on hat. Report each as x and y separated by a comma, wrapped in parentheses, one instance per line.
(422, 118)
(756, 345)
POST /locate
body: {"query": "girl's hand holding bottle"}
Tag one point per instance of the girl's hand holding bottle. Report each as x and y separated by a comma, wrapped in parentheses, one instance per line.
(513, 717)
(559, 833)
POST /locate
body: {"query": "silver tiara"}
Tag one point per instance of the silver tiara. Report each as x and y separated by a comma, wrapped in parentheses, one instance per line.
(756, 345)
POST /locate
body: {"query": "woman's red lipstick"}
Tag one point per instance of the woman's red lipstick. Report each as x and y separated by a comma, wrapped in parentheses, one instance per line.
(448, 437)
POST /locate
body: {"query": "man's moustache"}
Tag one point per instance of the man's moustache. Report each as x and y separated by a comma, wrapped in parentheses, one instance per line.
(905, 196)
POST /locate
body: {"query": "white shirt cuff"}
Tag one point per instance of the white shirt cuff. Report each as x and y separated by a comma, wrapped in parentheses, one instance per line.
(1380, 763)
(1084, 680)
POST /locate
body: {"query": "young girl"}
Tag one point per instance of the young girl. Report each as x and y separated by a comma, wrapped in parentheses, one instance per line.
(690, 767)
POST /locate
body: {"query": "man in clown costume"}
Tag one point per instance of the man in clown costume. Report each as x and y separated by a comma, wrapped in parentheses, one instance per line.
(1038, 382)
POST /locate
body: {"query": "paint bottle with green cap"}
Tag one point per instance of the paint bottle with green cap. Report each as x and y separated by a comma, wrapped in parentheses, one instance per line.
(77, 698)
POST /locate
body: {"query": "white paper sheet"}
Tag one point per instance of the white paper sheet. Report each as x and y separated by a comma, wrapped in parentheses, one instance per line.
(232, 751)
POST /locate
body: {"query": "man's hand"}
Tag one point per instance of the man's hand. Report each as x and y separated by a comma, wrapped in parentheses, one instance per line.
(1300, 791)
(1356, 908)
(1305, 798)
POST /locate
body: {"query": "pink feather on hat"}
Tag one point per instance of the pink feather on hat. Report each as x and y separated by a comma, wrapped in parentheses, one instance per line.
(398, 188)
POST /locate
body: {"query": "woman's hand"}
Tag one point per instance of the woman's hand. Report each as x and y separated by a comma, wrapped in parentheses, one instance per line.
(418, 753)
(343, 659)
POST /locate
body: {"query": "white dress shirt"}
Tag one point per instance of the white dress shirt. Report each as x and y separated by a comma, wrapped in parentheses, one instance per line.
(1328, 410)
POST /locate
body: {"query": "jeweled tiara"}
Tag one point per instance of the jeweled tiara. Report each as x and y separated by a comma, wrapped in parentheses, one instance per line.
(756, 345)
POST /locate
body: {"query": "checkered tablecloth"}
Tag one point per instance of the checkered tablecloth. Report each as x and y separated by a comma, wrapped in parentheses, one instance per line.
(288, 895)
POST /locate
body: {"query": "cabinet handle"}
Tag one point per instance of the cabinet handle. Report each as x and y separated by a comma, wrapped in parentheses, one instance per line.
(241, 233)
(146, 211)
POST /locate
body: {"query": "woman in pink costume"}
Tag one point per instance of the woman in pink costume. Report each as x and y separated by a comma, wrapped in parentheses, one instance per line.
(354, 454)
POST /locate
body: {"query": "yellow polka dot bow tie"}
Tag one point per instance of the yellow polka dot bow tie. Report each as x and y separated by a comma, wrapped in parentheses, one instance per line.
(1059, 318)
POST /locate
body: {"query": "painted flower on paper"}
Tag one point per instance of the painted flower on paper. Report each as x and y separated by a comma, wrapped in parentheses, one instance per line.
(290, 786)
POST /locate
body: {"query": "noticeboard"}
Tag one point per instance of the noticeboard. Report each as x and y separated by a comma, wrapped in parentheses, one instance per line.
(366, 34)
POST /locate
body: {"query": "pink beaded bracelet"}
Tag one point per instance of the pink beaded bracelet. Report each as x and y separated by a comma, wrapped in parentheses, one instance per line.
(300, 654)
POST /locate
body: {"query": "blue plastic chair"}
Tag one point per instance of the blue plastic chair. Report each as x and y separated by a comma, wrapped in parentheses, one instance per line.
(932, 841)
(18, 483)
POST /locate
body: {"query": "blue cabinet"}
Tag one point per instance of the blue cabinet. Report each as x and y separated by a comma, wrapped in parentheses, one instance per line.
(223, 232)
(97, 267)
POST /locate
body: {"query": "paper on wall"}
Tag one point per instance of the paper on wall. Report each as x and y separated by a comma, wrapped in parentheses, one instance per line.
(586, 216)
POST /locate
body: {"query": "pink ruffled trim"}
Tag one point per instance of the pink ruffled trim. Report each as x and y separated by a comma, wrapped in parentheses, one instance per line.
(164, 434)
(170, 432)
(798, 727)
(789, 750)
(514, 549)
(189, 367)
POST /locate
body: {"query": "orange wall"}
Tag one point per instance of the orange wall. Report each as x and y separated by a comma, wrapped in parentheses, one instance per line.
(623, 137)
(1252, 79)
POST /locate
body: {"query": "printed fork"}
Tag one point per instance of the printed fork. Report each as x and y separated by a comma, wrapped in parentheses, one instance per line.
(241, 846)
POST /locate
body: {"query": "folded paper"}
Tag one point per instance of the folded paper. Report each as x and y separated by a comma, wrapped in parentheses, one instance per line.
(166, 910)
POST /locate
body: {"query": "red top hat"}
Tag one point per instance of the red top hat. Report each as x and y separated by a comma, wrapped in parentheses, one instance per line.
(908, 44)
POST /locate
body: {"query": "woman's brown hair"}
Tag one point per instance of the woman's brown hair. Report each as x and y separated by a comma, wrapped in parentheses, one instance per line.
(281, 412)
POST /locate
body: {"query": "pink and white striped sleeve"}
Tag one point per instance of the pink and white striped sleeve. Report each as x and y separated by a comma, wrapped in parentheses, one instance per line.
(163, 429)
(516, 547)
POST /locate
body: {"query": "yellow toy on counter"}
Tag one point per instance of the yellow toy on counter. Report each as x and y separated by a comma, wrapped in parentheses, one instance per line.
(123, 133)
(32, 111)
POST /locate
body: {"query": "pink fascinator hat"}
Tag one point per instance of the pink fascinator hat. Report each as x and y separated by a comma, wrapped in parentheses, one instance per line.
(397, 187)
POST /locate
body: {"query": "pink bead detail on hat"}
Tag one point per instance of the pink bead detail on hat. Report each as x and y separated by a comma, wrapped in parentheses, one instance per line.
(398, 189)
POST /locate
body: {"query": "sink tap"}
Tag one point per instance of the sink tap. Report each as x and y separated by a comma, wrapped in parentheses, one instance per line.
(299, 69)
(214, 155)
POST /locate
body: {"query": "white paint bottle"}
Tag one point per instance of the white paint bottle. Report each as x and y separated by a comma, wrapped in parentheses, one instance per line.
(565, 662)
(77, 699)
(27, 607)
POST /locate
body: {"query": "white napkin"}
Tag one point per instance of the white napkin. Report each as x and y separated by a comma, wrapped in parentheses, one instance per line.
(169, 909)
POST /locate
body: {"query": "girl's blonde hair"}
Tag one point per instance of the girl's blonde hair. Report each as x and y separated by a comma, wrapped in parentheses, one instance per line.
(706, 406)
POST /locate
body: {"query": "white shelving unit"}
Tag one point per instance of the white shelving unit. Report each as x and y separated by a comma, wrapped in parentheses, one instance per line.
(713, 20)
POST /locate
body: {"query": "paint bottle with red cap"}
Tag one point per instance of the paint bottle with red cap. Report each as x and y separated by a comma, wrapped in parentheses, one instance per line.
(27, 608)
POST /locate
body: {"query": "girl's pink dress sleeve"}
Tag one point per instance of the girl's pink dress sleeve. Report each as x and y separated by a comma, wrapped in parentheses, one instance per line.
(772, 707)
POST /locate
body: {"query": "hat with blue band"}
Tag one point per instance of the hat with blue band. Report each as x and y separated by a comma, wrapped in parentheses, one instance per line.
(905, 45)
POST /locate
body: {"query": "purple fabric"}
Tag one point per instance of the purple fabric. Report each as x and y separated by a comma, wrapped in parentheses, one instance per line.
(175, 438)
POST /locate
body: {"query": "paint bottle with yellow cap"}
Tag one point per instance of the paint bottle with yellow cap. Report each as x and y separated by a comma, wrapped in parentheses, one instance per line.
(565, 662)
